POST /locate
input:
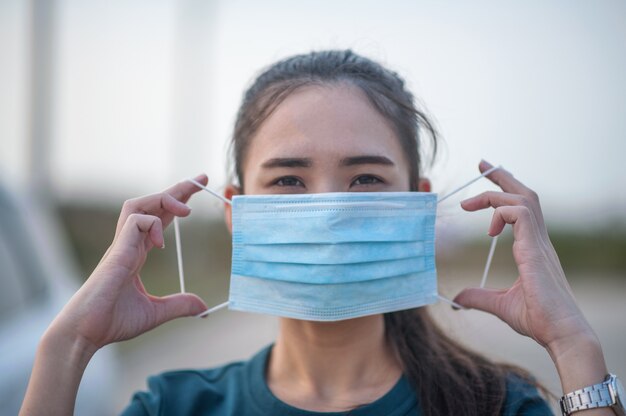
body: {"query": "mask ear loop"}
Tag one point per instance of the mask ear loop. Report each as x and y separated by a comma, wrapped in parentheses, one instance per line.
(211, 191)
(179, 256)
(493, 241)
(179, 252)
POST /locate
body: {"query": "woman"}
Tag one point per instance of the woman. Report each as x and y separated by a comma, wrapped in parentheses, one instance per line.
(299, 123)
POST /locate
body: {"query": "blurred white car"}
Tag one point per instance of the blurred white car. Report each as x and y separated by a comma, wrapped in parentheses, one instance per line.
(36, 280)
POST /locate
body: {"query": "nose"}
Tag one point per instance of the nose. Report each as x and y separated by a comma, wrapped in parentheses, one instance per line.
(327, 182)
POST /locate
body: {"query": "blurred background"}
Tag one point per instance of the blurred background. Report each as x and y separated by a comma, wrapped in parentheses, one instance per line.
(104, 101)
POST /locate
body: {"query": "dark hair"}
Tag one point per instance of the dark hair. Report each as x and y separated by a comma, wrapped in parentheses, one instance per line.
(385, 90)
(449, 379)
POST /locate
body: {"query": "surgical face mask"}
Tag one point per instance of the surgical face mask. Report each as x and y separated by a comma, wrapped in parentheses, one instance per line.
(333, 256)
(326, 257)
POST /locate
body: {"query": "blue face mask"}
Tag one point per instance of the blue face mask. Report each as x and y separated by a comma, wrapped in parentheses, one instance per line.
(333, 256)
(326, 257)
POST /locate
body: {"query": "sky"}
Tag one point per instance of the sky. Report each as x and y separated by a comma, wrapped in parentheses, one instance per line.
(145, 92)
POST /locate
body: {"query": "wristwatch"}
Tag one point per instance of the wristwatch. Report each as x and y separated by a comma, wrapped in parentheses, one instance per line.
(609, 393)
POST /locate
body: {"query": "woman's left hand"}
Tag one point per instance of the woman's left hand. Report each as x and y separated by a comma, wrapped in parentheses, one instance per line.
(540, 303)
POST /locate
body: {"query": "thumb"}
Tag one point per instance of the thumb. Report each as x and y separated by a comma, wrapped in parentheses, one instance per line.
(486, 300)
(179, 305)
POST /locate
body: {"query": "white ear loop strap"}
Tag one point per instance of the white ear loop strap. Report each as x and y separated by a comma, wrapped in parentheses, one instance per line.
(460, 188)
(213, 309)
(493, 241)
(211, 191)
(179, 254)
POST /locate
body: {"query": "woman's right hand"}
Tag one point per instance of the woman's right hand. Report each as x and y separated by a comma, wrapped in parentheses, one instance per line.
(113, 304)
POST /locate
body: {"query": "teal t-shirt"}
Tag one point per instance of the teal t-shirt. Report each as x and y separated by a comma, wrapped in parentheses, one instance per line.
(240, 389)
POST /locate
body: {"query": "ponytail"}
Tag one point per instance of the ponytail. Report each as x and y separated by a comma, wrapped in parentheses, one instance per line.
(449, 379)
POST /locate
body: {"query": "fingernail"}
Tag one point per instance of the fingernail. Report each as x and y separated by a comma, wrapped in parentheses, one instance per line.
(486, 163)
(454, 308)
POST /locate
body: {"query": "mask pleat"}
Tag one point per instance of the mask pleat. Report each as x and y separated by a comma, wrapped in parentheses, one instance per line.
(333, 301)
(341, 253)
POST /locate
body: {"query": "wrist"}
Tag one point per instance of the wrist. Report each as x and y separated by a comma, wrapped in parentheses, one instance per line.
(59, 364)
(74, 349)
(579, 361)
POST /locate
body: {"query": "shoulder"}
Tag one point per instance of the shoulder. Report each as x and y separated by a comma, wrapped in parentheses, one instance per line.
(185, 392)
(523, 398)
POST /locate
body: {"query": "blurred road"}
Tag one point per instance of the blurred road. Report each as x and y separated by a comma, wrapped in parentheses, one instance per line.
(227, 336)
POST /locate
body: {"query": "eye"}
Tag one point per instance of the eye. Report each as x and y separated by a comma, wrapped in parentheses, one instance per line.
(366, 180)
(288, 181)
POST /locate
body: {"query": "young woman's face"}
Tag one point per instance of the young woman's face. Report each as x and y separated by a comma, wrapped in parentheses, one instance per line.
(325, 139)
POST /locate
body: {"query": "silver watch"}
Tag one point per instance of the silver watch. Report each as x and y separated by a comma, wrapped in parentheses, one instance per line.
(609, 393)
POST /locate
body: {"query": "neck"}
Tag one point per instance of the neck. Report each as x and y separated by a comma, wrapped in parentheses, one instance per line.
(331, 366)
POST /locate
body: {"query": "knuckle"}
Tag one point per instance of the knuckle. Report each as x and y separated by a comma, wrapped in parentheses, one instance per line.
(533, 195)
(134, 218)
(133, 205)
(169, 199)
(490, 197)
(143, 221)
(524, 200)
(128, 205)
(499, 212)
(162, 198)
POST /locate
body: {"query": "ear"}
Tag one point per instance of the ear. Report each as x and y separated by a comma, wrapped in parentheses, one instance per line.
(423, 185)
(228, 209)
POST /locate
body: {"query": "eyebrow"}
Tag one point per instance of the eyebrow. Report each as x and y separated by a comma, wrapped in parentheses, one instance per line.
(287, 162)
(366, 160)
(295, 162)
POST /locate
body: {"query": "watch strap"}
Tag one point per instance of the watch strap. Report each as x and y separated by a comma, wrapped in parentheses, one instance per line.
(591, 397)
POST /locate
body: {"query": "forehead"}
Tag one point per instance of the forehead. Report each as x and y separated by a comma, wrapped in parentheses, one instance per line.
(323, 122)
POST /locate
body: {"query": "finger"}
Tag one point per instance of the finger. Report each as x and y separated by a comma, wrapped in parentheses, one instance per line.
(183, 190)
(163, 204)
(155, 204)
(498, 199)
(138, 235)
(177, 306)
(140, 229)
(486, 300)
(524, 225)
(494, 199)
(505, 180)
